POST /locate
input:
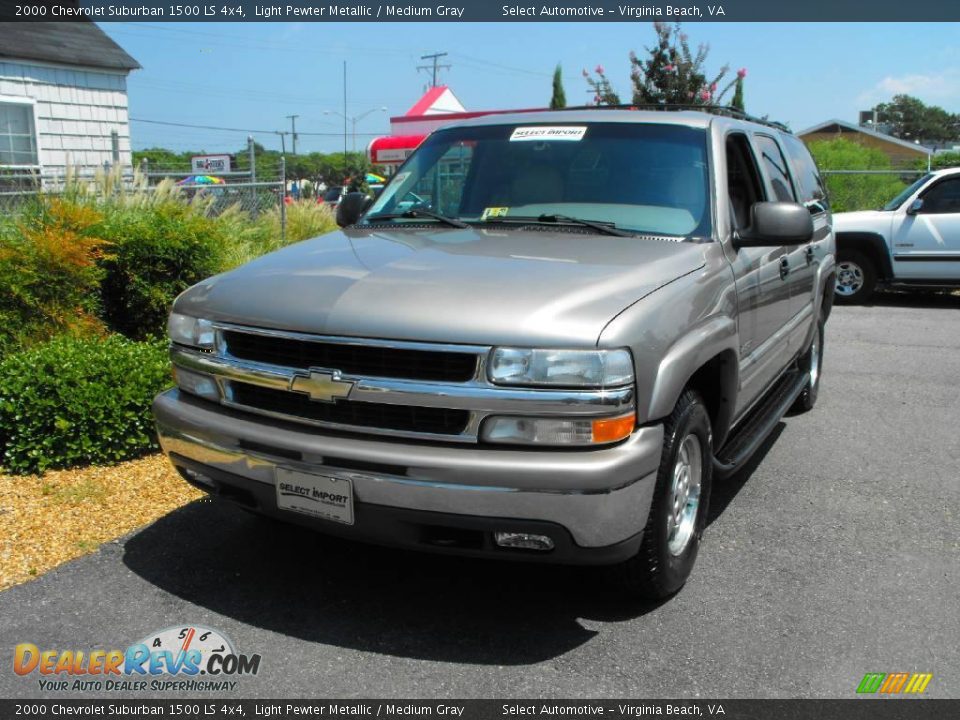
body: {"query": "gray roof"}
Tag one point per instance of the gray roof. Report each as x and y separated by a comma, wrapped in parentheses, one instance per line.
(866, 131)
(66, 43)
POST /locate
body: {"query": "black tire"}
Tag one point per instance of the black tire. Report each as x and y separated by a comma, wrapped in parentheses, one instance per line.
(856, 278)
(656, 571)
(811, 363)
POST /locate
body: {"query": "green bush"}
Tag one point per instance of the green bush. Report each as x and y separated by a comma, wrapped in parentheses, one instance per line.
(856, 192)
(78, 401)
(49, 254)
(158, 251)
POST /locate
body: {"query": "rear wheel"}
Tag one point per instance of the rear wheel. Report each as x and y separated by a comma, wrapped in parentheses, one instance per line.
(671, 538)
(856, 278)
(811, 364)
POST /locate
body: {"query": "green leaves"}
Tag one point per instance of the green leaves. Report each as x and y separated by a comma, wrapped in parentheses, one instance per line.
(76, 402)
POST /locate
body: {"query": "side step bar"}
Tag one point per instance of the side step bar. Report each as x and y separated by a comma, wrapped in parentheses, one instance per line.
(750, 435)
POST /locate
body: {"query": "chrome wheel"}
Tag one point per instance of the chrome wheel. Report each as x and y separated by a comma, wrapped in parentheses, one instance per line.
(685, 495)
(849, 278)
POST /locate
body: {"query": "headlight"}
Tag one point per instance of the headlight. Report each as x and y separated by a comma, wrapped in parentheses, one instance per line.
(569, 368)
(186, 330)
(557, 431)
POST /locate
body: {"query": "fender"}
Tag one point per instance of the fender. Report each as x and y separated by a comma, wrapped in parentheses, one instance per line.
(714, 339)
(873, 245)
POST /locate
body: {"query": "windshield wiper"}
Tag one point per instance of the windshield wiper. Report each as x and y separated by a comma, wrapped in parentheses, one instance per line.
(414, 213)
(600, 227)
(605, 228)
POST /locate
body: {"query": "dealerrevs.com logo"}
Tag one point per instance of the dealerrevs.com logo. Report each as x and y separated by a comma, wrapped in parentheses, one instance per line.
(185, 658)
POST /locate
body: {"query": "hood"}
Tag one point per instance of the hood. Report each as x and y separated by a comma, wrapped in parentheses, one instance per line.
(483, 286)
(861, 219)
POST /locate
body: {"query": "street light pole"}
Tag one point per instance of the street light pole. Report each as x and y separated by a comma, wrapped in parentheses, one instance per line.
(353, 121)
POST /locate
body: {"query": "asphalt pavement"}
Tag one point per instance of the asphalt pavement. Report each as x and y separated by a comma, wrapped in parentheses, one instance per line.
(835, 553)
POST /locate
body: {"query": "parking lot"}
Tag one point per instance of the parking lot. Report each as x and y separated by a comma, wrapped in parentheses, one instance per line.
(835, 553)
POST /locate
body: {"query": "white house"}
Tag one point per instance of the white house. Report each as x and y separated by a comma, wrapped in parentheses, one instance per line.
(63, 100)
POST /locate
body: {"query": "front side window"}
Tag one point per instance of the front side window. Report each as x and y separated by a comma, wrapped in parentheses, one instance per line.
(942, 198)
(776, 167)
(18, 140)
(907, 192)
(640, 177)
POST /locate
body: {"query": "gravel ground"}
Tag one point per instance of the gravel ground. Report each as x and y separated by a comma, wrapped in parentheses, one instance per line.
(834, 554)
(50, 519)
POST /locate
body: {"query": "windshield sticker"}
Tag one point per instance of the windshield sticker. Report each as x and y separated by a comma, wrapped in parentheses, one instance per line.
(494, 212)
(550, 132)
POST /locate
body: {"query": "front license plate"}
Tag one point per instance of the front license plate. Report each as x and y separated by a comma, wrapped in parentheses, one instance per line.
(320, 496)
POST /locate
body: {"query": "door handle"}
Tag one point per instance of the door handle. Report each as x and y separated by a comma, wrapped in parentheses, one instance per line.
(810, 254)
(784, 267)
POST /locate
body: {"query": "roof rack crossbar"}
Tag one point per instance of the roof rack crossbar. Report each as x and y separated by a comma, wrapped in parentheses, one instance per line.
(721, 110)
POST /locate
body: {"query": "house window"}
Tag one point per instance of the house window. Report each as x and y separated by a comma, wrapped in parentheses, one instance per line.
(18, 136)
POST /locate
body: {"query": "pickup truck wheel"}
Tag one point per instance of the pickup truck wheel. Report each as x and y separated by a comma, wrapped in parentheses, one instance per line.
(856, 278)
(678, 513)
(811, 364)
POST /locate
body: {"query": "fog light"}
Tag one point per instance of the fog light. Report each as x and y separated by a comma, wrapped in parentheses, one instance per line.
(197, 383)
(523, 541)
(200, 478)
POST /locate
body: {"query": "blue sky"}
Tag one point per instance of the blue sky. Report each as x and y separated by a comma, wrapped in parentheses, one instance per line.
(252, 75)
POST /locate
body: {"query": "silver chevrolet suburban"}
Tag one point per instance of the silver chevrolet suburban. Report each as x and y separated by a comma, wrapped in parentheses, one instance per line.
(542, 341)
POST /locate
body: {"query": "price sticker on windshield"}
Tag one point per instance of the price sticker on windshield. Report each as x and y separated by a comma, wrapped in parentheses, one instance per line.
(572, 133)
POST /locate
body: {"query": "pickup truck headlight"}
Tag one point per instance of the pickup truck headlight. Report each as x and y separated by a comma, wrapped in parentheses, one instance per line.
(557, 431)
(187, 330)
(568, 368)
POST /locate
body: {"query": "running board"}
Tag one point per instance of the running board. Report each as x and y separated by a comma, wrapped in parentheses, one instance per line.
(747, 438)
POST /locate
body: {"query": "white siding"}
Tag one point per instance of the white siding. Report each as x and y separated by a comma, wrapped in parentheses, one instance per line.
(76, 109)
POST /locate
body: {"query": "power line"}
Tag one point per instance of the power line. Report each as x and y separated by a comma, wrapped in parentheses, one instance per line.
(243, 130)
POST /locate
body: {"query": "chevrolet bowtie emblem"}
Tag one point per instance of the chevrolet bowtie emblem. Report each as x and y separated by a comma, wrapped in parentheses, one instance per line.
(322, 385)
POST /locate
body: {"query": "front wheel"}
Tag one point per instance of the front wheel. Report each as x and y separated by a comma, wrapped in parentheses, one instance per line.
(856, 278)
(671, 537)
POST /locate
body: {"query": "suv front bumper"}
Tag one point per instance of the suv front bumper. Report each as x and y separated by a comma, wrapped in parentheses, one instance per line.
(442, 497)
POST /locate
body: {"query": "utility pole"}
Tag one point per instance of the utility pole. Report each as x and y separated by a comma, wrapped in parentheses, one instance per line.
(344, 120)
(293, 131)
(434, 67)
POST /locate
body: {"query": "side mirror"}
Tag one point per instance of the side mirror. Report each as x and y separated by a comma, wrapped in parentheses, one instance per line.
(915, 207)
(351, 207)
(776, 223)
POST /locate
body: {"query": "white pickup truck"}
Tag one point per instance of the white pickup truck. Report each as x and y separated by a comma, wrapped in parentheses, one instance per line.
(913, 241)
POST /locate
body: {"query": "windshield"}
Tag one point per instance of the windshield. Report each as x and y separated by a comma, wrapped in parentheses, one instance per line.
(907, 192)
(641, 177)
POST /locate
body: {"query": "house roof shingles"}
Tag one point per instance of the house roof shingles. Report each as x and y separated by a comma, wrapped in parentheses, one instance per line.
(79, 43)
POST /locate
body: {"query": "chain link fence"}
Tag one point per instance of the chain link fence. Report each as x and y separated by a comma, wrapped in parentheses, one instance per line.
(254, 198)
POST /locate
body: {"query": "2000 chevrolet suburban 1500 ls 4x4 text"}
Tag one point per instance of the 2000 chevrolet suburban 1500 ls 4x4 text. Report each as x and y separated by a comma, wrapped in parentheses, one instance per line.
(543, 340)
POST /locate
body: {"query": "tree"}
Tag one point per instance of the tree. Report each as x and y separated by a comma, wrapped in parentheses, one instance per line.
(603, 92)
(907, 118)
(737, 102)
(672, 75)
(856, 192)
(558, 100)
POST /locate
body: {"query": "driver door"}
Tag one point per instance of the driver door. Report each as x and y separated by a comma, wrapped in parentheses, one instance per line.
(926, 245)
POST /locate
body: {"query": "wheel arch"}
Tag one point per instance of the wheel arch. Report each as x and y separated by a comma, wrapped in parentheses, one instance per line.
(706, 360)
(870, 244)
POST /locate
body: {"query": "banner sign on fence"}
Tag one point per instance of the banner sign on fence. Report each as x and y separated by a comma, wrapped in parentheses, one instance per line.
(210, 164)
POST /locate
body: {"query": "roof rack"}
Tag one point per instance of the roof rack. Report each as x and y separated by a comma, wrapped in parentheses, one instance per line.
(721, 110)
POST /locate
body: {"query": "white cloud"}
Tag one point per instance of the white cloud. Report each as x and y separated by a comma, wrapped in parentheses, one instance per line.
(941, 88)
